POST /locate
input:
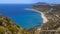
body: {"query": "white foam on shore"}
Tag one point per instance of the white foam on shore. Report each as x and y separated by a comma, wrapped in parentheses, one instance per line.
(42, 15)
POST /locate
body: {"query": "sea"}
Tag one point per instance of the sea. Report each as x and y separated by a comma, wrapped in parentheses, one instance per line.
(24, 18)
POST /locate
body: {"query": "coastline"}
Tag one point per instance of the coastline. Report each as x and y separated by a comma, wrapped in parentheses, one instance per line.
(42, 15)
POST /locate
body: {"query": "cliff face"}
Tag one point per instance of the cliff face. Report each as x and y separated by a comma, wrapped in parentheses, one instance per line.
(7, 26)
(52, 13)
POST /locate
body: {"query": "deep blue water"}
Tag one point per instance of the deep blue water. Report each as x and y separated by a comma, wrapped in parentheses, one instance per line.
(25, 18)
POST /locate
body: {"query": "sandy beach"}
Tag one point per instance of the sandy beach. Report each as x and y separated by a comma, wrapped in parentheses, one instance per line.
(42, 15)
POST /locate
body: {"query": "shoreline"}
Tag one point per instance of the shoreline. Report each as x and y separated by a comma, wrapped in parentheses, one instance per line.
(42, 15)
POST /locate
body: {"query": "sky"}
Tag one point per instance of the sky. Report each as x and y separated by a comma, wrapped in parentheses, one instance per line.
(27, 1)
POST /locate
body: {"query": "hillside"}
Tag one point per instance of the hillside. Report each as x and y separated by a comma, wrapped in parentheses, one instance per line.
(7, 26)
(52, 14)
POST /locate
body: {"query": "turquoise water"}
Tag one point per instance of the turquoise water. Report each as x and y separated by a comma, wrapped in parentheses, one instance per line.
(25, 18)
